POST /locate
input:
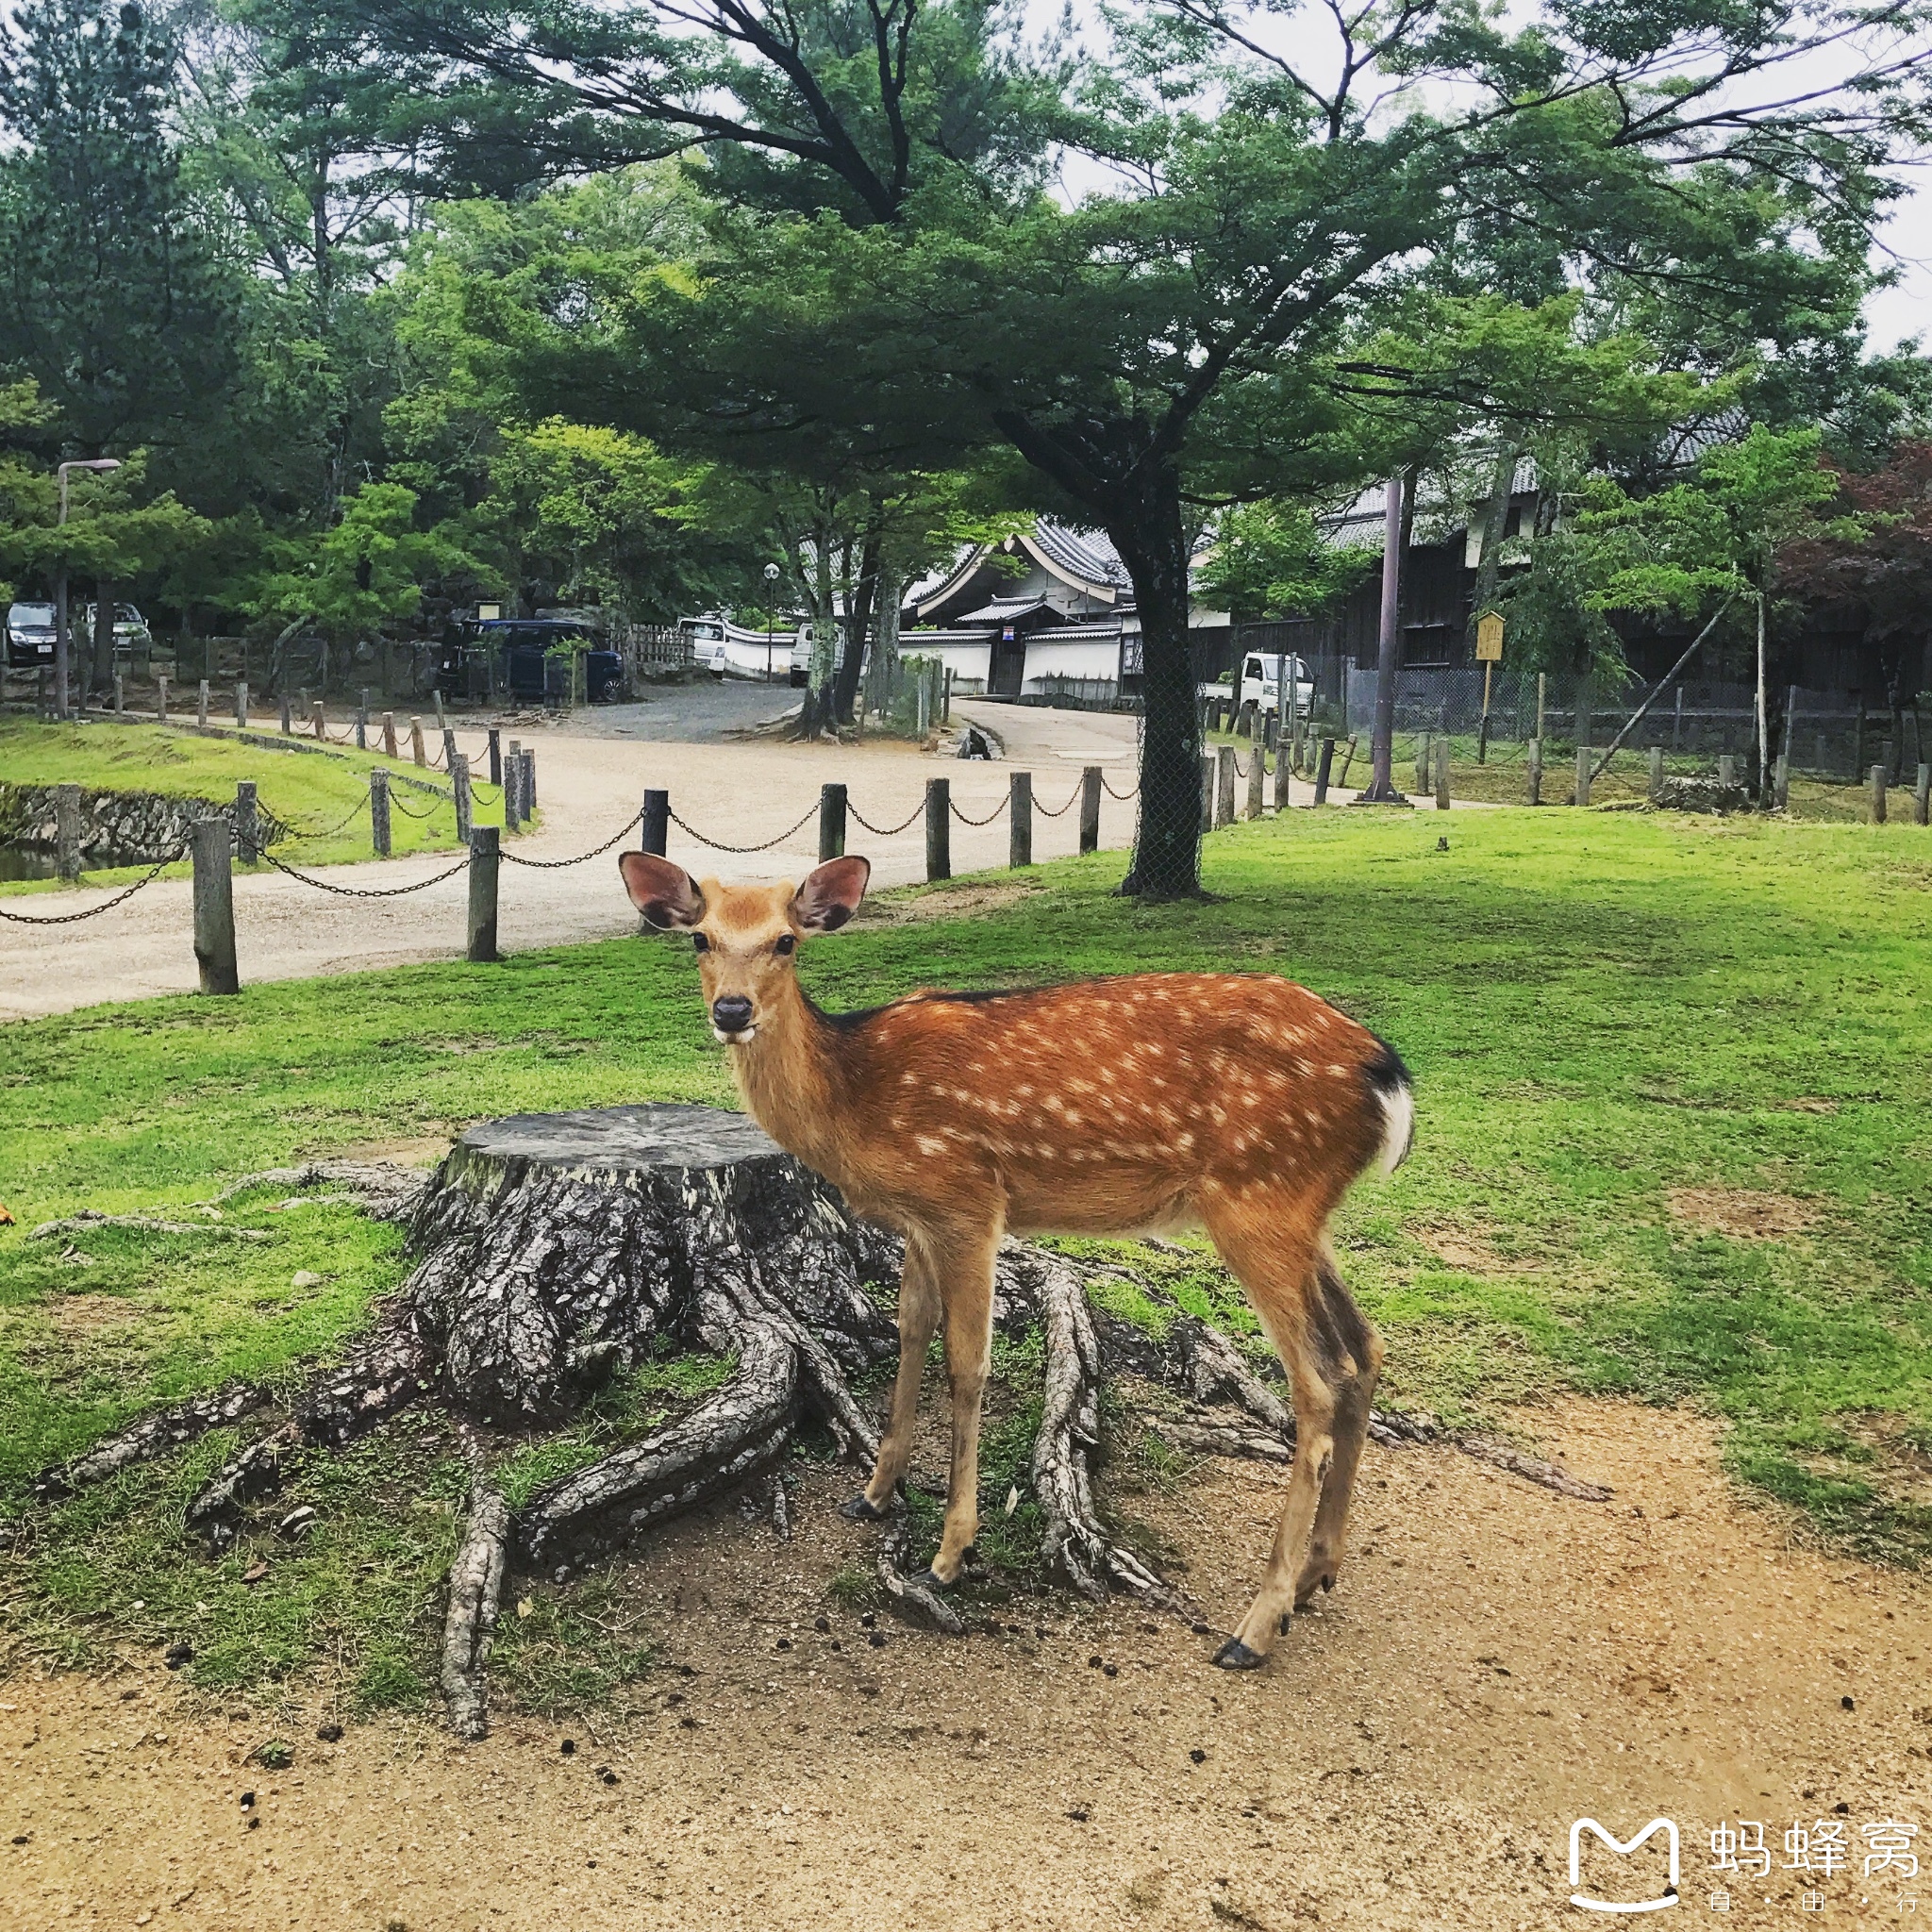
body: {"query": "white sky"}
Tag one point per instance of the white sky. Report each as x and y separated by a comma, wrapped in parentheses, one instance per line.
(1893, 315)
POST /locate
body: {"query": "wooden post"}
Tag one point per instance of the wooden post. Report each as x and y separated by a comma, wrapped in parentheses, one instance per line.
(449, 749)
(939, 829)
(120, 694)
(485, 847)
(1020, 810)
(1677, 724)
(1422, 744)
(655, 827)
(214, 906)
(1223, 785)
(1583, 763)
(435, 692)
(67, 832)
(459, 784)
(362, 722)
(378, 810)
(241, 706)
(1089, 808)
(1208, 765)
(247, 822)
(418, 751)
(388, 734)
(1543, 696)
(1258, 777)
(1922, 796)
(1535, 764)
(287, 718)
(1442, 775)
(1655, 789)
(1726, 769)
(832, 801)
(512, 789)
(1322, 769)
(321, 723)
(1284, 762)
(161, 697)
(1876, 783)
(200, 705)
(1271, 730)
(529, 781)
(495, 756)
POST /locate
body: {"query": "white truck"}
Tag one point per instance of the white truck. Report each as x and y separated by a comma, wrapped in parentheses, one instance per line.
(1263, 675)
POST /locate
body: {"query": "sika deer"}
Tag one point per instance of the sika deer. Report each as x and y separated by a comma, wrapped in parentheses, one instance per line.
(1106, 1107)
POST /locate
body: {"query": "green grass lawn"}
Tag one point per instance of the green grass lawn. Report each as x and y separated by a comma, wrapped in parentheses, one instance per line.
(1600, 1010)
(309, 791)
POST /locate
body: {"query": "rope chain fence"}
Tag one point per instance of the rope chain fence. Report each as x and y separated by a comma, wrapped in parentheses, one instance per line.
(558, 864)
(988, 820)
(368, 891)
(718, 845)
(161, 865)
(888, 831)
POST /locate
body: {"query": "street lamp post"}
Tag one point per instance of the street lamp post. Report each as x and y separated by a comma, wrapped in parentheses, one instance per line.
(771, 585)
(60, 653)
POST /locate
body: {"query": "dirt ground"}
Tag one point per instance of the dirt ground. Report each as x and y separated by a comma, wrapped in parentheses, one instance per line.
(1496, 1662)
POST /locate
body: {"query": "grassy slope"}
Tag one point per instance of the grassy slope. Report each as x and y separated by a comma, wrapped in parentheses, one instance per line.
(1598, 1009)
(311, 792)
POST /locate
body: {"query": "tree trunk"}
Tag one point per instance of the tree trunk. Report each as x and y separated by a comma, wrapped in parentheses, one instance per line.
(1489, 567)
(860, 602)
(1167, 841)
(102, 676)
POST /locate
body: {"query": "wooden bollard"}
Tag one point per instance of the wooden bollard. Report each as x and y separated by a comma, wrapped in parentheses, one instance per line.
(1284, 762)
(459, 784)
(449, 749)
(1441, 775)
(1020, 810)
(214, 906)
(512, 789)
(241, 705)
(320, 720)
(161, 698)
(1089, 808)
(418, 752)
(1324, 766)
(120, 694)
(1223, 785)
(287, 717)
(1876, 784)
(1209, 767)
(1534, 763)
(1922, 796)
(67, 832)
(1258, 778)
(495, 756)
(378, 811)
(1422, 760)
(362, 722)
(388, 734)
(247, 822)
(1781, 782)
(437, 693)
(1726, 769)
(529, 781)
(832, 801)
(485, 847)
(939, 829)
(200, 705)
(1583, 757)
(654, 829)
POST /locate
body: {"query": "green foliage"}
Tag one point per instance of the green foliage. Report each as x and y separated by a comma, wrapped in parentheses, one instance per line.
(1268, 560)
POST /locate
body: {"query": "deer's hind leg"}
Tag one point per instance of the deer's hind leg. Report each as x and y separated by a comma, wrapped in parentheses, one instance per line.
(1282, 1268)
(919, 1316)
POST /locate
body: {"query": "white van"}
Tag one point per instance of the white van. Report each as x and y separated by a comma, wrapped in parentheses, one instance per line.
(1262, 681)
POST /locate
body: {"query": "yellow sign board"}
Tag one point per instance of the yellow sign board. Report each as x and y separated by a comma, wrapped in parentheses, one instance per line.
(1489, 638)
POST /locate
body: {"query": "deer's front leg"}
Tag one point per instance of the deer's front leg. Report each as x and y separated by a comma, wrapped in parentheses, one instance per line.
(919, 1315)
(965, 1263)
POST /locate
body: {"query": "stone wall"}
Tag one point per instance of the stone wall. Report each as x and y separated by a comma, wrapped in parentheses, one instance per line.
(132, 824)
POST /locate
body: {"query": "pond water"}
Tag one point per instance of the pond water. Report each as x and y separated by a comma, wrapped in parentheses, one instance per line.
(38, 861)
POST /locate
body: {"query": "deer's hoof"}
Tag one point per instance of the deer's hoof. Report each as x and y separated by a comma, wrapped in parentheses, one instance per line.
(859, 1509)
(929, 1578)
(1235, 1656)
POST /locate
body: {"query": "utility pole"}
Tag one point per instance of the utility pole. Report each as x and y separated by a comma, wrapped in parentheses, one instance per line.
(1382, 747)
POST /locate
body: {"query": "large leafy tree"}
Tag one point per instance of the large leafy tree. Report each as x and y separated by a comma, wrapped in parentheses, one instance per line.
(113, 296)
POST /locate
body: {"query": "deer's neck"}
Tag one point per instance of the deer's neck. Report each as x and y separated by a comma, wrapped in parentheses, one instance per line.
(793, 1081)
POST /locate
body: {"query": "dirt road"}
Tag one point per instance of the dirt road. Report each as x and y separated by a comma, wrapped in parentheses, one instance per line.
(1496, 1662)
(589, 782)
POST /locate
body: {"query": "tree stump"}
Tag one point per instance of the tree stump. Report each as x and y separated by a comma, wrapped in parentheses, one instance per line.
(554, 1251)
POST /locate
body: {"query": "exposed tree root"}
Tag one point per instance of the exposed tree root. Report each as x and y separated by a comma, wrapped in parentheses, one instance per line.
(382, 1188)
(1532, 1469)
(555, 1251)
(87, 1221)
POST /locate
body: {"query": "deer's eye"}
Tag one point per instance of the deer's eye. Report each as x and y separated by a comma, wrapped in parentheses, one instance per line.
(784, 945)
(699, 944)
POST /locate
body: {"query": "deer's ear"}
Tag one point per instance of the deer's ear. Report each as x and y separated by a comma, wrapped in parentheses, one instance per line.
(663, 893)
(830, 896)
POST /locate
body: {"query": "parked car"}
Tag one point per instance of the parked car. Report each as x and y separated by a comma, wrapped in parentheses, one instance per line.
(130, 627)
(728, 650)
(528, 657)
(1262, 673)
(30, 636)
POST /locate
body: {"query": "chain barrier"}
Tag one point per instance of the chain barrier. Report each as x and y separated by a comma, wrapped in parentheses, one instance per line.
(1132, 790)
(1063, 811)
(107, 905)
(485, 793)
(557, 864)
(690, 831)
(418, 816)
(293, 831)
(886, 831)
(988, 819)
(368, 891)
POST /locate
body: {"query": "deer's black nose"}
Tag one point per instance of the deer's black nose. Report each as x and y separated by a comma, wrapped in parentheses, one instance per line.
(731, 1014)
